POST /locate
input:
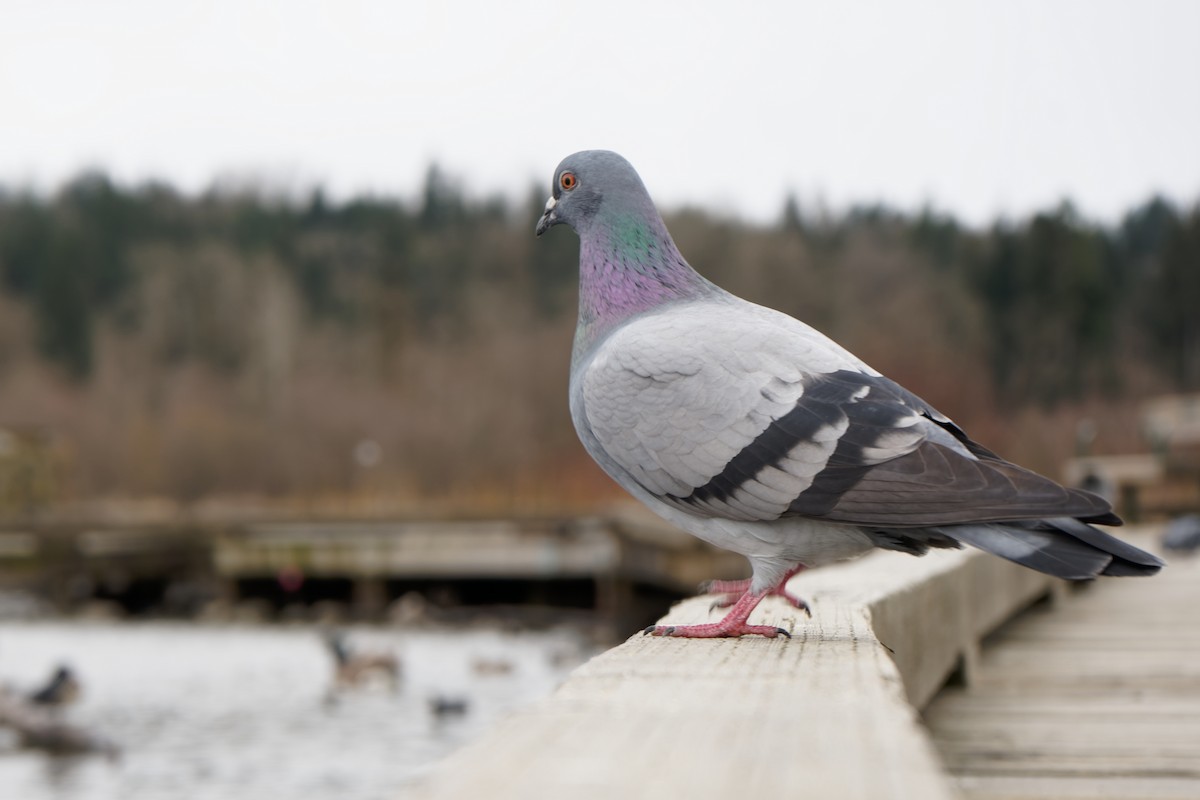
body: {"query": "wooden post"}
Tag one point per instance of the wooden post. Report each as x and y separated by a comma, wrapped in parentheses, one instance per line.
(370, 597)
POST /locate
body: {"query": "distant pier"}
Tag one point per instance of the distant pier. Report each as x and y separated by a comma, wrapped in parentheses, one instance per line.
(623, 571)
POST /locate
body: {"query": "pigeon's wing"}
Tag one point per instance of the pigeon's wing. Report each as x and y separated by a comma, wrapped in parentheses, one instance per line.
(744, 413)
(939, 478)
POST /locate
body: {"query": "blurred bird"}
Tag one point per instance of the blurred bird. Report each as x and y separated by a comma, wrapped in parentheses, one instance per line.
(62, 688)
(756, 433)
(1182, 534)
(442, 706)
(355, 669)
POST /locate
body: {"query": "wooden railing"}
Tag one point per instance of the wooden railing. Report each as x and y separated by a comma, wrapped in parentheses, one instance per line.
(829, 713)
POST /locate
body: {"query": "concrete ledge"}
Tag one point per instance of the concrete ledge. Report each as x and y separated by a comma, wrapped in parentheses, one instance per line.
(827, 714)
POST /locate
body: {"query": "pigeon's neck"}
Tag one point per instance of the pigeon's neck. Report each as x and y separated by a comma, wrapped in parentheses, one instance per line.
(627, 266)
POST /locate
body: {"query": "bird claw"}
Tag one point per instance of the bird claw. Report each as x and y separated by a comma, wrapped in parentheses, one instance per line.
(723, 602)
(715, 630)
(739, 595)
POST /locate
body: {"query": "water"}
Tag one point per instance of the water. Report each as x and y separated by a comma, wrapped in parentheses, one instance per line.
(246, 712)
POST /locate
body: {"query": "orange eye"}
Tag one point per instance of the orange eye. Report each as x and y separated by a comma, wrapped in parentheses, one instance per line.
(568, 181)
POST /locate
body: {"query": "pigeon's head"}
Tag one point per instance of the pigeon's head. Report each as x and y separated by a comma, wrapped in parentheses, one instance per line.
(587, 185)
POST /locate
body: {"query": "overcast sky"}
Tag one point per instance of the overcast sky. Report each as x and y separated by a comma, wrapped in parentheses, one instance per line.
(980, 109)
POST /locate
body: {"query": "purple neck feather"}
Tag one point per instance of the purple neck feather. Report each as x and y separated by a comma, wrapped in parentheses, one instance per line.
(627, 266)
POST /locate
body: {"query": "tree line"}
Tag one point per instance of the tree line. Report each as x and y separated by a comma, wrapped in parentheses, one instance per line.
(241, 340)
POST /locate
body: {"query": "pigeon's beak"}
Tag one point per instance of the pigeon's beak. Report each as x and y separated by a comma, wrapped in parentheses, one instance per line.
(549, 218)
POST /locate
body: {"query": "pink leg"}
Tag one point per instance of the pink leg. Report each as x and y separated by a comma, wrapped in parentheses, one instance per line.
(735, 589)
(734, 624)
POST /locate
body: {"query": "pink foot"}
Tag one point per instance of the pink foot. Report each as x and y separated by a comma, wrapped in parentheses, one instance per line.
(734, 624)
(715, 630)
(733, 590)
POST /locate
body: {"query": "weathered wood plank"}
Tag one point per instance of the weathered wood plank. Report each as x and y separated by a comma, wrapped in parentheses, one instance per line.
(1024, 787)
(658, 718)
(1100, 698)
(828, 713)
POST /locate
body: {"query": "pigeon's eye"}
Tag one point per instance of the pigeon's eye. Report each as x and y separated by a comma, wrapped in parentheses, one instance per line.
(568, 181)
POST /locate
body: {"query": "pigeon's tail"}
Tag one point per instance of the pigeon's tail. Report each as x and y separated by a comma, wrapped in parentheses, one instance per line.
(1062, 546)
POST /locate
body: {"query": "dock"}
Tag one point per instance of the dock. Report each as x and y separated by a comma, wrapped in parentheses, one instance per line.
(621, 568)
(618, 569)
(1095, 696)
(835, 711)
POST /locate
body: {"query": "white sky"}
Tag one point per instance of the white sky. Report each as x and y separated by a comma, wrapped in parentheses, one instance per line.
(979, 108)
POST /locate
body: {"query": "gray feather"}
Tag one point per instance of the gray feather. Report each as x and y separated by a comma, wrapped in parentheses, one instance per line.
(1063, 547)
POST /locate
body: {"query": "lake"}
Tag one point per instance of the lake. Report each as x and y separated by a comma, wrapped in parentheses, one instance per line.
(202, 712)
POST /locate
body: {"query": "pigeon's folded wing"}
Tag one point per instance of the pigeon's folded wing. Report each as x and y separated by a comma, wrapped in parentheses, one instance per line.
(750, 415)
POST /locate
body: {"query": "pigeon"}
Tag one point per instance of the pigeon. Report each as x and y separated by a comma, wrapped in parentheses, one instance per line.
(756, 433)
